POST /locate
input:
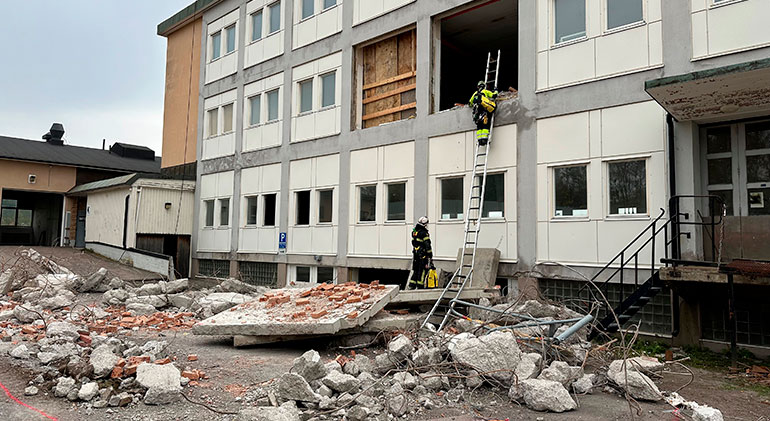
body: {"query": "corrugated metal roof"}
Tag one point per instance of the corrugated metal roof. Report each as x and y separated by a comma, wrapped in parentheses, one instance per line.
(76, 156)
(103, 184)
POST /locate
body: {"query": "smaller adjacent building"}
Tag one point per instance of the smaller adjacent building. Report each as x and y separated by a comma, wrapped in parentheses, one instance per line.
(144, 218)
(36, 175)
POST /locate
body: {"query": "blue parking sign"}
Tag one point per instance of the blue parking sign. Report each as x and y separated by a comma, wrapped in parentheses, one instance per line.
(282, 242)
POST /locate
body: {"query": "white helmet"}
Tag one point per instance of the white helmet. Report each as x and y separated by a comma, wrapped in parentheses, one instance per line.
(423, 221)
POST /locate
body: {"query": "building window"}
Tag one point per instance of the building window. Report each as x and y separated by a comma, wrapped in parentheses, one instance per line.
(268, 204)
(628, 187)
(224, 212)
(569, 20)
(452, 198)
(367, 203)
(213, 116)
(227, 116)
(623, 12)
(230, 34)
(256, 26)
(251, 210)
(397, 202)
(325, 274)
(325, 203)
(328, 90)
(272, 105)
(758, 168)
(719, 164)
(329, 3)
(303, 207)
(494, 196)
(209, 212)
(570, 193)
(216, 45)
(307, 8)
(302, 274)
(306, 96)
(275, 17)
(11, 216)
(255, 105)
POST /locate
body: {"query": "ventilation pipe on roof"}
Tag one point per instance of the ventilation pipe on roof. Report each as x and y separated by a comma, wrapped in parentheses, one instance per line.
(55, 134)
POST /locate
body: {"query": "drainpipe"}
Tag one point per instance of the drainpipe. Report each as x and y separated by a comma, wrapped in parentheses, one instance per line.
(673, 210)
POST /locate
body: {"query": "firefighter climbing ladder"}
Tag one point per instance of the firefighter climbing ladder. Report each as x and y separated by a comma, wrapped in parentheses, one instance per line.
(451, 293)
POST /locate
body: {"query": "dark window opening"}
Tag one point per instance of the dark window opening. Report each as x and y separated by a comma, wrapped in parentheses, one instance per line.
(385, 276)
(325, 274)
(269, 207)
(468, 34)
(30, 218)
(303, 207)
(303, 274)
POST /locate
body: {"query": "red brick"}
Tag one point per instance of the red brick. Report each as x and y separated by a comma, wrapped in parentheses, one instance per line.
(318, 314)
(192, 357)
(306, 293)
(117, 373)
(354, 300)
(192, 375)
(130, 369)
(163, 361)
(302, 301)
(353, 315)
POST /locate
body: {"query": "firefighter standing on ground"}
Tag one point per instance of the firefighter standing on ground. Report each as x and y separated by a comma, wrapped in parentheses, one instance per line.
(422, 254)
(483, 103)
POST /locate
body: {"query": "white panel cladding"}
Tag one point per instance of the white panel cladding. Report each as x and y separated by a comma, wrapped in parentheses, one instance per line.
(729, 27)
(596, 139)
(258, 182)
(105, 212)
(602, 52)
(315, 175)
(319, 121)
(154, 218)
(268, 45)
(364, 10)
(380, 167)
(452, 156)
(227, 63)
(264, 134)
(215, 187)
(221, 143)
(323, 23)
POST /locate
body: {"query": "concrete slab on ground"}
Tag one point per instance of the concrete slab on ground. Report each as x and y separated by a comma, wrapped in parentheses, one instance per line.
(425, 296)
(80, 262)
(322, 310)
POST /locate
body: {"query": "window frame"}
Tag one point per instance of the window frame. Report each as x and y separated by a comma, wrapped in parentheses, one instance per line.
(274, 209)
(215, 46)
(555, 43)
(251, 110)
(300, 84)
(209, 213)
(309, 210)
(226, 30)
(606, 21)
(552, 174)
(484, 207)
(16, 209)
(321, 78)
(359, 201)
(319, 193)
(220, 202)
(261, 13)
(460, 216)
(247, 212)
(324, 7)
(608, 200)
(224, 118)
(313, 273)
(301, 4)
(277, 92)
(387, 186)
(270, 9)
(215, 121)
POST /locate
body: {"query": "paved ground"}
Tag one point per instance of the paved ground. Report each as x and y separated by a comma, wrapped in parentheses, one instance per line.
(81, 262)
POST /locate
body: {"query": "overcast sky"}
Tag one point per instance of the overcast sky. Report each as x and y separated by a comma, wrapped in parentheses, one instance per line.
(95, 66)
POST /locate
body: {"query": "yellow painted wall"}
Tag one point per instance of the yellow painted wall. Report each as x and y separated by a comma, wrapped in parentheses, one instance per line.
(180, 111)
(50, 178)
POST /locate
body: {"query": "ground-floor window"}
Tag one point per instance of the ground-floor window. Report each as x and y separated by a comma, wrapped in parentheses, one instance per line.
(259, 273)
(751, 312)
(214, 268)
(313, 274)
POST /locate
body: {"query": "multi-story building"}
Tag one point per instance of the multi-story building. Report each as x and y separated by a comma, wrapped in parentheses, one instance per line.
(333, 125)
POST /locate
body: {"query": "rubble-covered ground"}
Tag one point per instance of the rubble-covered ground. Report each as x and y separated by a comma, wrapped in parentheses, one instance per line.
(92, 346)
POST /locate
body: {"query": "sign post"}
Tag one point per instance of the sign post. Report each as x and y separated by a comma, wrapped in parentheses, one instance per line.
(282, 243)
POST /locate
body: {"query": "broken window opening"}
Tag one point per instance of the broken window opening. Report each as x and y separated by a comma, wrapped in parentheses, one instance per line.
(463, 38)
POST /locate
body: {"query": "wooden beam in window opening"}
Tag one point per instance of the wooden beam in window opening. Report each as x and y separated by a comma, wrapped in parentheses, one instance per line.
(389, 80)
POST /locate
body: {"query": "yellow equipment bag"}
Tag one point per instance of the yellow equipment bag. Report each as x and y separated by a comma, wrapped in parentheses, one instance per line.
(488, 103)
(432, 279)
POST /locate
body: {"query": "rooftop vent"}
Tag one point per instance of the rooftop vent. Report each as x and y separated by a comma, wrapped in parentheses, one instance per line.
(132, 151)
(55, 134)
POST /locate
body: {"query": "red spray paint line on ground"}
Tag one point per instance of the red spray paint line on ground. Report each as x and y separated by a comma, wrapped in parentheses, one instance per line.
(15, 399)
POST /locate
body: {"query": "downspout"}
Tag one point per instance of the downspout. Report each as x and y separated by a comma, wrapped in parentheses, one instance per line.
(673, 210)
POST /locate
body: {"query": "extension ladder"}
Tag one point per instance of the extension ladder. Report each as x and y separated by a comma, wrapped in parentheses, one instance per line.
(445, 305)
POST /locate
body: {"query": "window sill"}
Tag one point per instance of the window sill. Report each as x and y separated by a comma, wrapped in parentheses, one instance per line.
(328, 107)
(716, 5)
(570, 42)
(304, 113)
(366, 223)
(396, 222)
(638, 217)
(267, 123)
(223, 56)
(559, 219)
(451, 221)
(264, 37)
(625, 27)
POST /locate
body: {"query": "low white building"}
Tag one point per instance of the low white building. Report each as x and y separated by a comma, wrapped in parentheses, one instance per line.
(141, 219)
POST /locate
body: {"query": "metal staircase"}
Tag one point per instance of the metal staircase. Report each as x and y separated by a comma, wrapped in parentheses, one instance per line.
(445, 305)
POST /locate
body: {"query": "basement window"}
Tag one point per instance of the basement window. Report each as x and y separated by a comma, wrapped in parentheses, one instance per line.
(269, 208)
(464, 37)
(386, 77)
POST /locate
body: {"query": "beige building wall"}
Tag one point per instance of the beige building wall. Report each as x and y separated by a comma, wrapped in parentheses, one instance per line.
(105, 216)
(48, 178)
(180, 115)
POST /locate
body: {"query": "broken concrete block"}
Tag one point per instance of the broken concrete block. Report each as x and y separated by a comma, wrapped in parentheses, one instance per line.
(157, 301)
(63, 386)
(294, 387)
(286, 412)
(406, 380)
(163, 383)
(149, 289)
(584, 385)
(561, 372)
(309, 366)
(20, 352)
(31, 391)
(88, 391)
(358, 413)
(103, 360)
(638, 385)
(141, 309)
(27, 313)
(646, 364)
(496, 353)
(529, 366)
(397, 405)
(546, 395)
(221, 301)
(115, 296)
(426, 356)
(364, 364)
(401, 346)
(175, 287)
(63, 299)
(340, 382)
(234, 285)
(706, 413)
(93, 281)
(62, 330)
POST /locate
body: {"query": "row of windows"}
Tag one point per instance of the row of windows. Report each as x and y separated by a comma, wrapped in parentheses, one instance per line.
(264, 22)
(315, 93)
(569, 17)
